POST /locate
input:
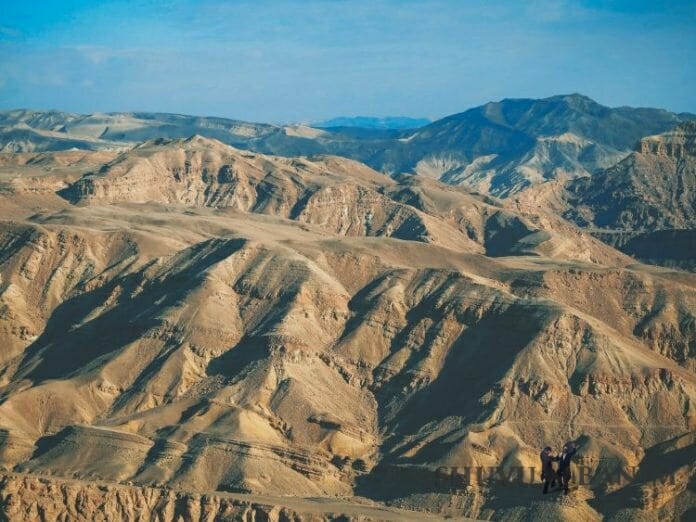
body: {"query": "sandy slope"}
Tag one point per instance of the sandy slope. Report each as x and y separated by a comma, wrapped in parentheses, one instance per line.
(190, 315)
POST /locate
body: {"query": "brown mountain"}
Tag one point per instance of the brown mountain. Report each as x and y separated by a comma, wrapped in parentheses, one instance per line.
(244, 327)
(501, 148)
(646, 204)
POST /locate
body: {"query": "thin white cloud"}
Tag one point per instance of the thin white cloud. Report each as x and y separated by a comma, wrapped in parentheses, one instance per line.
(7, 32)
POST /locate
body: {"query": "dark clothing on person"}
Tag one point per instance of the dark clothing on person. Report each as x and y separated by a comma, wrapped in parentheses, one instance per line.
(548, 474)
(564, 460)
(565, 457)
(564, 478)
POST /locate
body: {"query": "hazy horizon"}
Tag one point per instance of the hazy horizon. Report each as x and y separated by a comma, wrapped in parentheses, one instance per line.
(305, 62)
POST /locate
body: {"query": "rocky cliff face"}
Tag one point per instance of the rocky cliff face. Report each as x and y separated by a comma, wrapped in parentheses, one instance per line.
(645, 204)
(651, 189)
(32, 498)
(678, 143)
(29, 499)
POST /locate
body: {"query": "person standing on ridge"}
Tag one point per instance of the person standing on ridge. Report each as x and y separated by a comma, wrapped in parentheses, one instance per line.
(548, 474)
(564, 459)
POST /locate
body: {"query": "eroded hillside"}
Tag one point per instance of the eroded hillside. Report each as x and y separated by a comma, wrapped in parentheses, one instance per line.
(189, 315)
(502, 148)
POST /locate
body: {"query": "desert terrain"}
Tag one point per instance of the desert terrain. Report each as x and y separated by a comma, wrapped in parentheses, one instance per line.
(194, 330)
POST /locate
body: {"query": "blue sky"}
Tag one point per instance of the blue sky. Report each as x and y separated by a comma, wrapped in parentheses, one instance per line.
(307, 60)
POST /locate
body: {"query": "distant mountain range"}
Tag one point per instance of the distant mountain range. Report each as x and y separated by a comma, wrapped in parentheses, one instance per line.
(501, 148)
